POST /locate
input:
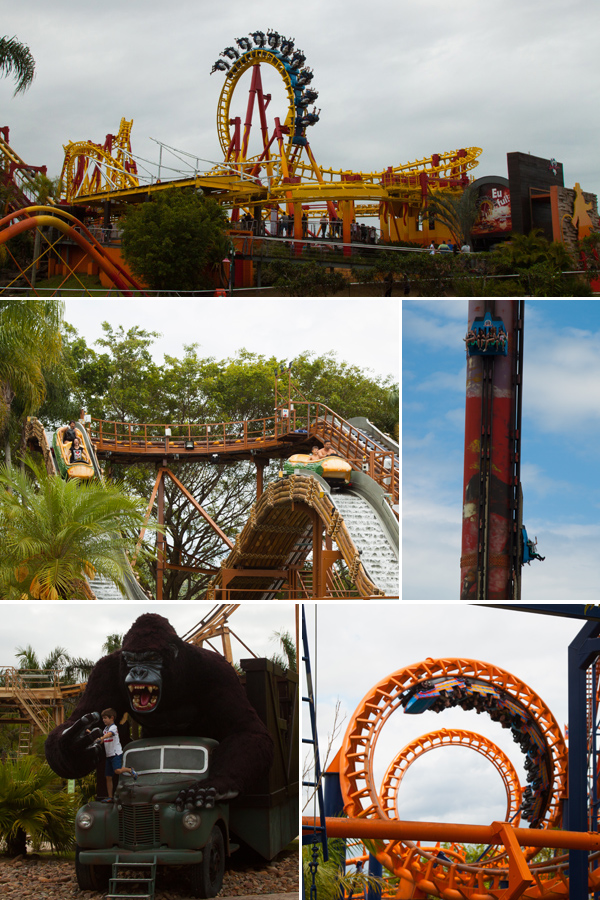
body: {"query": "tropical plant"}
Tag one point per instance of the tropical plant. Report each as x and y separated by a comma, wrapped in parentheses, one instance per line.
(30, 341)
(113, 642)
(288, 658)
(16, 60)
(31, 807)
(457, 212)
(540, 265)
(330, 878)
(54, 533)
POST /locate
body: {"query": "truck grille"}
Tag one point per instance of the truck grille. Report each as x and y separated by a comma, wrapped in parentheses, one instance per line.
(139, 826)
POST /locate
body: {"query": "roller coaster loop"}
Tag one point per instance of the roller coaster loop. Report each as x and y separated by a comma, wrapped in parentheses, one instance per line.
(438, 684)
(33, 217)
(451, 737)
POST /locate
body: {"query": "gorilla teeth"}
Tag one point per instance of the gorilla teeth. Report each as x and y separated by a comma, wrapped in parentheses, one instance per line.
(144, 697)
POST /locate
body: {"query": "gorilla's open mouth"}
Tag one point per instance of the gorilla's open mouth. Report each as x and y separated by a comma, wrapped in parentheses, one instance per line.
(144, 697)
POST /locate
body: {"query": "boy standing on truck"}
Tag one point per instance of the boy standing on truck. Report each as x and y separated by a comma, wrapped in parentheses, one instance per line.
(114, 751)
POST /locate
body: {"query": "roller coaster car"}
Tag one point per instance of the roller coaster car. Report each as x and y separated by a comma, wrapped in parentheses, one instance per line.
(62, 454)
(335, 470)
(487, 337)
(429, 693)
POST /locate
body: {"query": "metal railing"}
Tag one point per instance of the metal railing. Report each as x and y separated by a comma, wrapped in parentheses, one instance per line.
(292, 417)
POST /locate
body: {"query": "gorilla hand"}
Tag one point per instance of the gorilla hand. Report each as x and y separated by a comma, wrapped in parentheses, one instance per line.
(82, 736)
(201, 795)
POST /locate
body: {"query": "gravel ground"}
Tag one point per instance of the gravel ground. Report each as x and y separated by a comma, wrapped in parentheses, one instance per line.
(38, 878)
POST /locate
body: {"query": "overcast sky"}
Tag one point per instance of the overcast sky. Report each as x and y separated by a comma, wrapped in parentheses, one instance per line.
(350, 327)
(81, 629)
(360, 644)
(559, 447)
(397, 81)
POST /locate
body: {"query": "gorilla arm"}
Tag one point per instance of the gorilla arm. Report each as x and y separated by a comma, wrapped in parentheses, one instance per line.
(70, 750)
(245, 750)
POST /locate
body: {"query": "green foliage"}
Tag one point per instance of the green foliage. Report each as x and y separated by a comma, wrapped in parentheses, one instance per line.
(287, 658)
(30, 342)
(30, 806)
(540, 265)
(175, 241)
(331, 879)
(54, 532)
(304, 279)
(16, 60)
(457, 212)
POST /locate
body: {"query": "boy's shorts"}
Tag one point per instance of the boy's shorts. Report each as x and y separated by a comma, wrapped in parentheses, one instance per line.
(112, 763)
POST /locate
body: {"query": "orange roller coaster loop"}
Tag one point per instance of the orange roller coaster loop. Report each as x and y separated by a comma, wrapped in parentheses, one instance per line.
(453, 681)
(451, 737)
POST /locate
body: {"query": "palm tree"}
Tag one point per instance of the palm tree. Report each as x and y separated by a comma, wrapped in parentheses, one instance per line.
(54, 533)
(540, 263)
(457, 212)
(113, 642)
(30, 806)
(16, 60)
(287, 661)
(30, 341)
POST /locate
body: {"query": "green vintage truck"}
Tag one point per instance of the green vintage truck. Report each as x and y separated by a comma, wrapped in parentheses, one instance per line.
(125, 841)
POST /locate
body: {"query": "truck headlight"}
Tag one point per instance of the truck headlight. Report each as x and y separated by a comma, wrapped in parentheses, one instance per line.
(191, 820)
(85, 820)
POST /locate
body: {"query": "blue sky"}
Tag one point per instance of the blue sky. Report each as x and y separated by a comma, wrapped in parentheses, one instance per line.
(559, 447)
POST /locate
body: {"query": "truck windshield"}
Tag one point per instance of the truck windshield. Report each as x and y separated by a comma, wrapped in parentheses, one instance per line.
(181, 760)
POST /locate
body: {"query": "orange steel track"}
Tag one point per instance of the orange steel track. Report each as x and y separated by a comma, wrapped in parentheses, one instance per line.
(421, 872)
(270, 437)
(451, 737)
(33, 217)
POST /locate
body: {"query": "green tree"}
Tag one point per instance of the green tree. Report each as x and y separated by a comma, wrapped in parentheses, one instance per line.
(30, 806)
(113, 642)
(30, 341)
(176, 241)
(304, 279)
(16, 60)
(457, 212)
(287, 658)
(54, 533)
(540, 265)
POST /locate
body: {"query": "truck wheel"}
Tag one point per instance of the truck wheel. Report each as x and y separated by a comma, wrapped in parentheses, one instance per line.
(91, 878)
(206, 878)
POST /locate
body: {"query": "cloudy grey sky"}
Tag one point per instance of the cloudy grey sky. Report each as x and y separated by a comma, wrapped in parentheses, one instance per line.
(358, 645)
(82, 628)
(263, 325)
(397, 81)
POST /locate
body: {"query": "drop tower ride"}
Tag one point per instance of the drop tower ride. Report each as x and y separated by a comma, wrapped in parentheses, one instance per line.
(492, 543)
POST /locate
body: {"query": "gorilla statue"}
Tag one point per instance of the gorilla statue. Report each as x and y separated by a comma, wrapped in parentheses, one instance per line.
(170, 688)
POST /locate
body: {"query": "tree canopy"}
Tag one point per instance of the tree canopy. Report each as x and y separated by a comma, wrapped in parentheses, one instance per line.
(175, 241)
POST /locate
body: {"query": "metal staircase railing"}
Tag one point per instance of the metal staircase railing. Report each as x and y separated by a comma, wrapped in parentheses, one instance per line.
(29, 702)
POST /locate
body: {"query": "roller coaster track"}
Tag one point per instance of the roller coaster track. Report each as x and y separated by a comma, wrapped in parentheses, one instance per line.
(420, 867)
(101, 588)
(16, 176)
(451, 737)
(33, 217)
(287, 524)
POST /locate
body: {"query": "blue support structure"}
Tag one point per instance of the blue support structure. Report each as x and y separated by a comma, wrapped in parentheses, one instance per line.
(583, 652)
(315, 835)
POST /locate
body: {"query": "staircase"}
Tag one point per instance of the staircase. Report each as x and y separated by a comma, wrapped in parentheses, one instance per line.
(32, 707)
(124, 878)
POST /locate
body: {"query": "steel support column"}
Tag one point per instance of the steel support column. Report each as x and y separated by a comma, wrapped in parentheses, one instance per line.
(583, 651)
(490, 416)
